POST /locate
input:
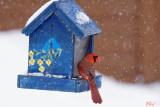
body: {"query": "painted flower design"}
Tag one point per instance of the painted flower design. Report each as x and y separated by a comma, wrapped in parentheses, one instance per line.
(41, 69)
(31, 61)
(48, 62)
(31, 53)
(40, 62)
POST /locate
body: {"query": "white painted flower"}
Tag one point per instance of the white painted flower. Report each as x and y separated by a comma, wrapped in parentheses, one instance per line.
(82, 18)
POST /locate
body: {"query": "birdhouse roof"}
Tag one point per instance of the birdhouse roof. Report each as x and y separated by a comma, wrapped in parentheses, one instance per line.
(69, 13)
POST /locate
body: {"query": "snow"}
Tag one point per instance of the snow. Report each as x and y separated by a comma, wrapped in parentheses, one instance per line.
(82, 18)
(14, 60)
(47, 75)
(35, 74)
(58, 76)
(120, 13)
(55, 76)
(2, 2)
(38, 12)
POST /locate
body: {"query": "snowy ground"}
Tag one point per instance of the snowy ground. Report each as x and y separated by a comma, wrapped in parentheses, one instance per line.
(13, 61)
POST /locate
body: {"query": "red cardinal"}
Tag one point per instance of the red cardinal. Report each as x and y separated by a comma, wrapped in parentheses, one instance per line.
(87, 71)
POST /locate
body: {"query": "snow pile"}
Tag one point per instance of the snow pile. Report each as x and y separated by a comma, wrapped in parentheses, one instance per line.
(35, 74)
(58, 76)
(82, 18)
(14, 60)
(47, 75)
(38, 12)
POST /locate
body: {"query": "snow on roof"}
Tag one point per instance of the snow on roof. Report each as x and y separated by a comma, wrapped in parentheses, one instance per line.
(69, 12)
(39, 11)
(82, 18)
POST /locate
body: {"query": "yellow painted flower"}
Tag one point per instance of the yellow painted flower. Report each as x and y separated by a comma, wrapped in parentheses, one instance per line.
(31, 61)
(31, 53)
(40, 62)
(41, 69)
(48, 62)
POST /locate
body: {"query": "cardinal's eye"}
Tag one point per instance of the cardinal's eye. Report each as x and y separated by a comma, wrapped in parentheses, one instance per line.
(95, 57)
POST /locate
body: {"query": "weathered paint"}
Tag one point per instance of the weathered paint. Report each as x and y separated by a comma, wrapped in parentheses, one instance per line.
(66, 11)
(52, 46)
(39, 20)
(55, 84)
(52, 28)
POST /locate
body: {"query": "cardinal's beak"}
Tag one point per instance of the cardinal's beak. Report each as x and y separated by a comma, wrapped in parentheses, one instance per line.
(98, 59)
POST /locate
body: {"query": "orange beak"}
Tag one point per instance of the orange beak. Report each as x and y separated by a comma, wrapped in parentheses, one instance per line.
(98, 59)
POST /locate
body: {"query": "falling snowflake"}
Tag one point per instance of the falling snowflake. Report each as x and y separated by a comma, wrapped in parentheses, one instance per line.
(120, 13)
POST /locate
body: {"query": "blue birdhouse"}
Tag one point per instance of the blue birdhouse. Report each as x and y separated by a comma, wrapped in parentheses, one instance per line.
(60, 35)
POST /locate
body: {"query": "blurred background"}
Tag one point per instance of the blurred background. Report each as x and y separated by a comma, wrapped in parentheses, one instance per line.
(128, 44)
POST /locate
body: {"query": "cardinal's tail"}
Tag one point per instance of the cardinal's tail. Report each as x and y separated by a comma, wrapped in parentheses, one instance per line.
(96, 97)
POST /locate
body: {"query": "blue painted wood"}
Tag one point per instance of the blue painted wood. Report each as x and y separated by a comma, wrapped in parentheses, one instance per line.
(39, 19)
(66, 11)
(55, 84)
(52, 28)
(52, 32)
(91, 45)
(68, 23)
